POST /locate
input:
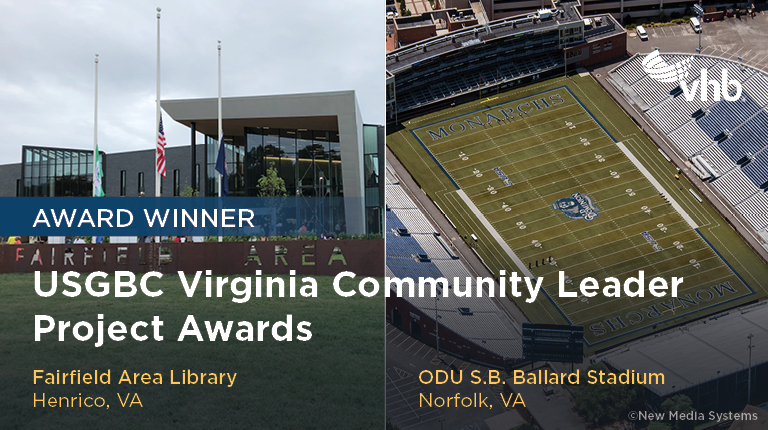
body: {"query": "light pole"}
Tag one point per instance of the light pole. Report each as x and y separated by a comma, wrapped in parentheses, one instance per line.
(321, 200)
(717, 396)
(698, 302)
(700, 12)
(437, 328)
(437, 322)
(749, 370)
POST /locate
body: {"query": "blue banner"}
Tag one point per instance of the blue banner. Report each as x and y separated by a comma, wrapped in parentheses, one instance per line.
(172, 216)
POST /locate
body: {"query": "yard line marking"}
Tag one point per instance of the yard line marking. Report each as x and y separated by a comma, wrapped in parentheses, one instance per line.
(608, 145)
(512, 131)
(540, 232)
(479, 131)
(688, 200)
(484, 221)
(656, 184)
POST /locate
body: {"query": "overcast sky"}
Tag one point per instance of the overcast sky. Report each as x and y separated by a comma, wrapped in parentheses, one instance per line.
(268, 47)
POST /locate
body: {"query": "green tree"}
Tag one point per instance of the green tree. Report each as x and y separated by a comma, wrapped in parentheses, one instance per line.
(188, 192)
(271, 185)
(663, 17)
(681, 404)
(391, 426)
(603, 403)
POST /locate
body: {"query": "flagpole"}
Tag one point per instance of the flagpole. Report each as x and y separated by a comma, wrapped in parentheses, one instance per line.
(157, 106)
(95, 123)
(221, 129)
(157, 119)
(95, 130)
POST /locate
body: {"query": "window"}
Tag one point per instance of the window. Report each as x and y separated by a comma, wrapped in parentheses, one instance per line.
(176, 183)
(141, 182)
(122, 183)
(608, 45)
(597, 47)
(197, 177)
(574, 53)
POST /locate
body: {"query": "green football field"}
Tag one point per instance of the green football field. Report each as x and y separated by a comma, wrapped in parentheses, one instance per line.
(555, 177)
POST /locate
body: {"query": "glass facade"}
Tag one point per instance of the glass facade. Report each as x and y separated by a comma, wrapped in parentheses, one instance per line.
(49, 172)
(309, 161)
(374, 189)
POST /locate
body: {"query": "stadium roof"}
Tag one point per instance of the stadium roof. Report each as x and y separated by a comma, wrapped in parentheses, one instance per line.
(722, 339)
(760, 423)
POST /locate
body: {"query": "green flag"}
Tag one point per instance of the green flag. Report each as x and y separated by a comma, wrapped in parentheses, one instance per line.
(98, 191)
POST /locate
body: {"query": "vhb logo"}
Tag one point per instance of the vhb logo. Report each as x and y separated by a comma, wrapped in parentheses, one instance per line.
(659, 70)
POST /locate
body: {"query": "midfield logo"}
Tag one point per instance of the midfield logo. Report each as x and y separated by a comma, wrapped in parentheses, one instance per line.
(578, 206)
(659, 70)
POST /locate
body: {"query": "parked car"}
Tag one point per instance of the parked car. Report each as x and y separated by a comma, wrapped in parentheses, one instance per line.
(695, 24)
(641, 33)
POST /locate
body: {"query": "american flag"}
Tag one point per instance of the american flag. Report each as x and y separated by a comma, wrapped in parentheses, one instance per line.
(160, 157)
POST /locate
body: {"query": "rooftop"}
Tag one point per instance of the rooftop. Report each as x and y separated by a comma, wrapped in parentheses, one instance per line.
(722, 339)
(409, 55)
(565, 12)
(423, 20)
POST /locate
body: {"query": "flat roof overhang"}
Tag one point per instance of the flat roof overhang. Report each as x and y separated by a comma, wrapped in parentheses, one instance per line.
(313, 111)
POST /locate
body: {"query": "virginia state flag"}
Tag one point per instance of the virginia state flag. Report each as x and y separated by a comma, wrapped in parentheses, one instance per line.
(221, 167)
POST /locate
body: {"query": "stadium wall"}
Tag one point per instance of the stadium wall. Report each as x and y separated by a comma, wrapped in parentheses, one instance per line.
(471, 96)
(727, 393)
(413, 34)
(595, 52)
(403, 315)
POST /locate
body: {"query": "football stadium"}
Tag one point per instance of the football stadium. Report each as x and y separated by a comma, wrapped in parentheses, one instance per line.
(539, 145)
(554, 176)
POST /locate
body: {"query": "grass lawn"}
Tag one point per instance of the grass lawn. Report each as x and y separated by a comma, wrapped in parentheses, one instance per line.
(512, 171)
(334, 380)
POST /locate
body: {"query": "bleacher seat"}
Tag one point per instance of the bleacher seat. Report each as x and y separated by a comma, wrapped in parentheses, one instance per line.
(731, 136)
